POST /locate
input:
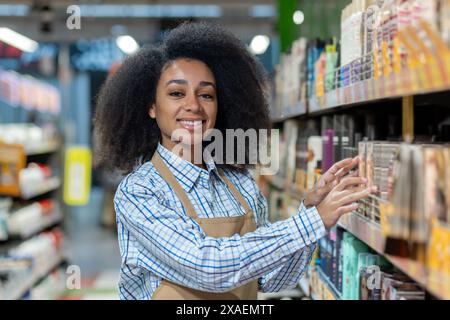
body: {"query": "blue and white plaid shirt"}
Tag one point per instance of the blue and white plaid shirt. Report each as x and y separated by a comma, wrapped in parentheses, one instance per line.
(159, 241)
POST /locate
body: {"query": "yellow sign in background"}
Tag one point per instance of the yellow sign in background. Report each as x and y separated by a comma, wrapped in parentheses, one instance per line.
(77, 175)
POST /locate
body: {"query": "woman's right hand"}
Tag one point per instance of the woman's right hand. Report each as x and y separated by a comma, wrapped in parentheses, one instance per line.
(342, 199)
(328, 180)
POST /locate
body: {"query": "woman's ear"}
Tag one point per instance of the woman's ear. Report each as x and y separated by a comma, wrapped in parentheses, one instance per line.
(151, 111)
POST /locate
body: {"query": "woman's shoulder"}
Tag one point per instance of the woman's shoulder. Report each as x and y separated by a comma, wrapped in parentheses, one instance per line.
(144, 176)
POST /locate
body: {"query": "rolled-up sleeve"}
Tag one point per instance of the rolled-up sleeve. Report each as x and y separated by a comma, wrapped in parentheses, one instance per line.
(308, 225)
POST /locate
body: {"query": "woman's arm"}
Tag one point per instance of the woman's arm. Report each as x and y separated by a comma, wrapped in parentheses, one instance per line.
(287, 275)
(172, 245)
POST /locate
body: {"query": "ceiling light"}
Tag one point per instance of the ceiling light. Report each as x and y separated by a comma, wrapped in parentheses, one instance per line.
(259, 44)
(298, 17)
(17, 40)
(127, 44)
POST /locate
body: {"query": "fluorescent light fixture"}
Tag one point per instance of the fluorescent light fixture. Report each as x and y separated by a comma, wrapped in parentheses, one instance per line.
(262, 11)
(127, 44)
(298, 17)
(14, 10)
(259, 44)
(17, 40)
(150, 11)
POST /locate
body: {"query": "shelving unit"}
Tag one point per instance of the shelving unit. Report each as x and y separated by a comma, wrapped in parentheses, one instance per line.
(426, 76)
(46, 147)
(288, 113)
(354, 96)
(371, 234)
(49, 185)
(20, 289)
(324, 290)
(369, 91)
(22, 230)
(33, 195)
(281, 184)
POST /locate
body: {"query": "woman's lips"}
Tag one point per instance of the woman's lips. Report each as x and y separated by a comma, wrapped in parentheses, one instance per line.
(191, 125)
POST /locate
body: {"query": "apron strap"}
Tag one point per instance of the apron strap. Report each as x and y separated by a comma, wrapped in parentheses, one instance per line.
(235, 192)
(168, 176)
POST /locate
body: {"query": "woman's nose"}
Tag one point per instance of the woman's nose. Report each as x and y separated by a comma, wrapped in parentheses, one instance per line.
(193, 104)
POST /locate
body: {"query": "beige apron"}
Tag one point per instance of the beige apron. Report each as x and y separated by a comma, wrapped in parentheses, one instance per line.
(213, 227)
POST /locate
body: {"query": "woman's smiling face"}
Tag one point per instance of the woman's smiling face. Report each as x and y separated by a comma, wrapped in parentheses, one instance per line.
(186, 102)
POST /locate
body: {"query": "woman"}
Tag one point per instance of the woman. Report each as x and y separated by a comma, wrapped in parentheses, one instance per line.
(199, 230)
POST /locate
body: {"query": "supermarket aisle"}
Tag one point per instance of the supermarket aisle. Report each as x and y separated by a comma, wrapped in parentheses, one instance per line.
(95, 250)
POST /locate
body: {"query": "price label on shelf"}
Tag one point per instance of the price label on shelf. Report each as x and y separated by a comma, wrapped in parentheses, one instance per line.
(77, 176)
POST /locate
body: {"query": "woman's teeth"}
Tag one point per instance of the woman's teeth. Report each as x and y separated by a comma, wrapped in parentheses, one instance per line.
(191, 124)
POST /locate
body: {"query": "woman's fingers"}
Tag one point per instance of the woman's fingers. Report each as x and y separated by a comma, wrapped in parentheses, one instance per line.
(341, 165)
(354, 174)
(344, 173)
(339, 170)
(359, 194)
(330, 175)
(347, 209)
(350, 181)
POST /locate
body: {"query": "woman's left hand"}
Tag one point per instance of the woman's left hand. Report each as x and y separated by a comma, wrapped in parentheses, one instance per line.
(329, 180)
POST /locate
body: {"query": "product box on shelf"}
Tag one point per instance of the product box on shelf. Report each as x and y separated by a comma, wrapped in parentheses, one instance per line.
(387, 48)
(27, 220)
(15, 276)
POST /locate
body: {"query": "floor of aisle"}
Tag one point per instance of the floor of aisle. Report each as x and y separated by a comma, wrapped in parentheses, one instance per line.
(95, 251)
(94, 248)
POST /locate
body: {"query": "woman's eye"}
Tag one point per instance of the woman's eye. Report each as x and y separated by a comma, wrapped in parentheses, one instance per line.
(206, 96)
(176, 94)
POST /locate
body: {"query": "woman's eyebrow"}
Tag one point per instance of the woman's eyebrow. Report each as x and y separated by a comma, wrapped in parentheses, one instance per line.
(184, 82)
(176, 81)
(207, 83)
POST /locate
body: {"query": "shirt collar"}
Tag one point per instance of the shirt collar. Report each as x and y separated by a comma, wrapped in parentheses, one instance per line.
(184, 171)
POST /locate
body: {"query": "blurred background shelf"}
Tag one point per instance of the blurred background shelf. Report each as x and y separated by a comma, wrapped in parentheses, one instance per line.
(281, 184)
(21, 289)
(289, 113)
(43, 148)
(40, 189)
(321, 288)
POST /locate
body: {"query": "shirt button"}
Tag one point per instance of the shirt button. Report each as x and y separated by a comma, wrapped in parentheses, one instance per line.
(312, 238)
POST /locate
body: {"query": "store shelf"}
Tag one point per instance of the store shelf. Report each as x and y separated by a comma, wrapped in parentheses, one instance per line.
(322, 288)
(328, 284)
(40, 189)
(20, 289)
(371, 234)
(43, 148)
(370, 91)
(47, 222)
(289, 113)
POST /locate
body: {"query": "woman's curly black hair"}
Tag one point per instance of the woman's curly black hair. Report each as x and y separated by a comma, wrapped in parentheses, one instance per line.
(127, 136)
